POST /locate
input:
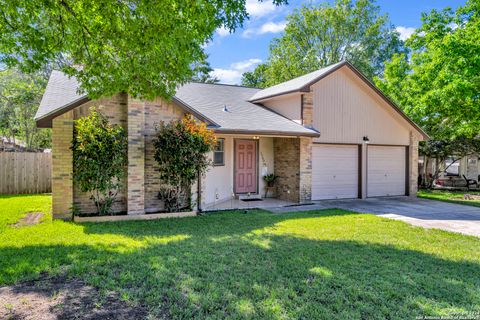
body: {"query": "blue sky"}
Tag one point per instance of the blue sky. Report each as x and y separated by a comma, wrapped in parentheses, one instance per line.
(232, 54)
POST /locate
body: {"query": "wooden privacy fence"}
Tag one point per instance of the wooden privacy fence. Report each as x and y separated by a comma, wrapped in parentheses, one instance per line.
(25, 172)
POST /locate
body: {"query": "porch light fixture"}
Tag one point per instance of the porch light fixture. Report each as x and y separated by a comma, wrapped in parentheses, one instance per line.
(256, 137)
(366, 140)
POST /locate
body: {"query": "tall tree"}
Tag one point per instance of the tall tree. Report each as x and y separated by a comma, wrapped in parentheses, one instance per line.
(256, 77)
(20, 95)
(145, 48)
(202, 72)
(320, 35)
(438, 85)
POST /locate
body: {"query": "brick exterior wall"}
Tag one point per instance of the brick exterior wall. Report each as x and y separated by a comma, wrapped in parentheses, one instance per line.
(413, 164)
(293, 165)
(286, 165)
(155, 112)
(115, 109)
(62, 182)
(307, 109)
(144, 183)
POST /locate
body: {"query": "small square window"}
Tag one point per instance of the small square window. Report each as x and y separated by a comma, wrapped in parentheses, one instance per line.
(219, 153)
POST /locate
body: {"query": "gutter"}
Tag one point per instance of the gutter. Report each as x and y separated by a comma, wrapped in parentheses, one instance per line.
(268, 132)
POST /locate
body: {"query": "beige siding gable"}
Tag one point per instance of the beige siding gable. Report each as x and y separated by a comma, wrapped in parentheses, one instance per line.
(346, 110)
(288, 106)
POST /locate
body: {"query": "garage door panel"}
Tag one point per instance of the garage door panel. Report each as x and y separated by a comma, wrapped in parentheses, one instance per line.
(334, 172)
(386, 168)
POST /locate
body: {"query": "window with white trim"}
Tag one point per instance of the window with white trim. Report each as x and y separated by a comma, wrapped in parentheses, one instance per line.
(219, 153)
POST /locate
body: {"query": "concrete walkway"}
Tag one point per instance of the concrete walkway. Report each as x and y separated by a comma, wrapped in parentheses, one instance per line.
(416, 211)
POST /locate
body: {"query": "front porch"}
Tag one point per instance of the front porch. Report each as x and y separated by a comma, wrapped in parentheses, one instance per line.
(236, 181)
(262, 203)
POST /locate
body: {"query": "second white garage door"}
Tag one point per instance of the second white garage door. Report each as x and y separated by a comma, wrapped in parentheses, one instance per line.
(386, 168)
(334, 172)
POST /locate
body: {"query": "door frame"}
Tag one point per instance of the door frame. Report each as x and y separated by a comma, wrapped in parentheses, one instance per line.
(257, 151)
(407, 167)
(359, 162)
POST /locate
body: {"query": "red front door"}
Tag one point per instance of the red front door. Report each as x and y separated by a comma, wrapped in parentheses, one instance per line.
(245, 166)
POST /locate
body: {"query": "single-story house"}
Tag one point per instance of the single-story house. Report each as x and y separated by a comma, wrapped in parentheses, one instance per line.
(329, 134)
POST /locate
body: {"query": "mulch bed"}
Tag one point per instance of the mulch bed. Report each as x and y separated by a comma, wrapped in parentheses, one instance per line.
(63, 298)
(30, 219)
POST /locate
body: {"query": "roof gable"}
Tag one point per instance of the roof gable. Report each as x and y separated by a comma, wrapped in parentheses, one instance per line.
(303, 84)
(225, 108)
(297, 84)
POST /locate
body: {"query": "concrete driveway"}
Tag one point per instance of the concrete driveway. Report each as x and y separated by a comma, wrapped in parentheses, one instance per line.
(416, 211)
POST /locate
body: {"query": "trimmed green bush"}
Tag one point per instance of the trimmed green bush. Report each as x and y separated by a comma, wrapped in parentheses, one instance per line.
(99, 159)
(181, 150)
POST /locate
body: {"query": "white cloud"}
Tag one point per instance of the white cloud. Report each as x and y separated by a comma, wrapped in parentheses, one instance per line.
(405, 32)
(233, 75)
(222, 32)
(268, 27)
(257, 9)
(272, 27)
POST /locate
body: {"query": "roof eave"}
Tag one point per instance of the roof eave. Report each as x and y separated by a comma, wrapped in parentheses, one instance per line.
(45, 121)
(267, 132)
(306, 87)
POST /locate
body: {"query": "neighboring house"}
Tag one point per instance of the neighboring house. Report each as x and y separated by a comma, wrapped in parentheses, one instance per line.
(328, 134)
(452, 173)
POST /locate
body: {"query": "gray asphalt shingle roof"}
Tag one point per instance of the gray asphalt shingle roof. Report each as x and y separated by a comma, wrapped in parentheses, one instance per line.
(61, 91)
(294, 85)
(228, 106)
(208, 100)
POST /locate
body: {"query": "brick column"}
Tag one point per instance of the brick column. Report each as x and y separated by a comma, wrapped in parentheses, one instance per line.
(305, 170)
(286, 167)
(413, 165)
(293, 165)
(307, 109)
(62, 166)
(136, 156)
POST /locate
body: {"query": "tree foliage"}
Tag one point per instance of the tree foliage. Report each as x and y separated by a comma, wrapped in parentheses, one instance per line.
(144, 48)
(320, 35)
(256, 77)
(202, 72)
(99, 159)
(20, 95)
(438, 85)
(181, 149)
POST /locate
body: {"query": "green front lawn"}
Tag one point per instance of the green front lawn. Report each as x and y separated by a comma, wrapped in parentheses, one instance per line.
(13, 208)
(449, 196)
(327, 264)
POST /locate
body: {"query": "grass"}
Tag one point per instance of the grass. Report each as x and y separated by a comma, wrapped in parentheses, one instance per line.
(323, 264)
(450, 196)
(13, 208)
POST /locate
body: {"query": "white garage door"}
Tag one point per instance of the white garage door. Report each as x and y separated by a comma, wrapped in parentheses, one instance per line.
(386, 168)
(334, 172)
